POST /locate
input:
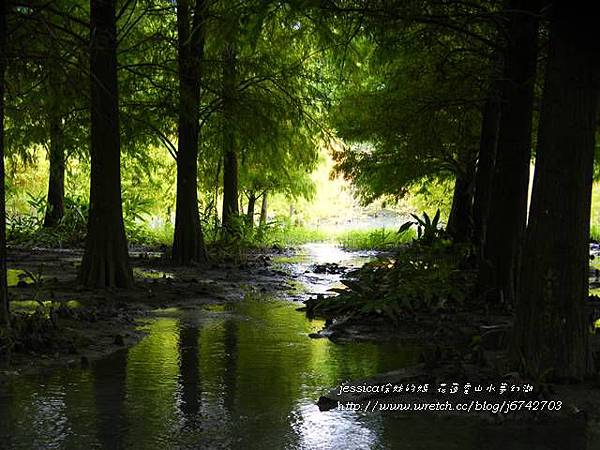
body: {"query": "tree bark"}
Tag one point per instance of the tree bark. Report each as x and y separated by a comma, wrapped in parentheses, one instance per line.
(4, 307)
(105, 261)
(188, 240)
(250, 212)
(485, 166)
(551, 331)
(230, 162)
(56, 180)
(55, 209)
(460, 221)
(263, 210)
(508, 205)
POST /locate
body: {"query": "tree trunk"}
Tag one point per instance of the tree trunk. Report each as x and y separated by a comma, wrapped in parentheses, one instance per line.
(55, 209)
(230, 162)
(4, 308)
(105, 261)
(250, 213)
(485, 166)
(460, 221)
(263, 210)
(56, 181)
(508, 205)
(551, 331)
(188, 240)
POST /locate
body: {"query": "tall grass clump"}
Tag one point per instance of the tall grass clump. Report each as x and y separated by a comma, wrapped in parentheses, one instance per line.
(378, 239)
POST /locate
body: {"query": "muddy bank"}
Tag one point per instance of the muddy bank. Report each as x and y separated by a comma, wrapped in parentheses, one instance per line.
(60, 323)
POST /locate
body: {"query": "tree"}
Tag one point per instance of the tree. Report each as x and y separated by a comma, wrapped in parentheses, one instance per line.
(505, 225)
(486, 158)
(47, 107)
(4, 307)
(262, 221)
(56, 152)
(230, 158)
(105, 260)
(188, 241)
(551, 330)
(460, 224)
(411, 115)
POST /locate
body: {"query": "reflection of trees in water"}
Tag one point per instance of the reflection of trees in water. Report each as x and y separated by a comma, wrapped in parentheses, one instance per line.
(110, 378)
(230, 372)
(189, 372)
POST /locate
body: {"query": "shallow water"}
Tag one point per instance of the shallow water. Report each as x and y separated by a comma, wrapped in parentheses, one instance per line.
(241, 376)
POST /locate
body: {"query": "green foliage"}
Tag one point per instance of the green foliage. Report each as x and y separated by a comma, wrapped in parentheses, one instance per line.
(36, 332)
(408, 108)
(419, 278)
(595, 232)
(279, 233)
(428, 230)
(28, 230)
(380, 239)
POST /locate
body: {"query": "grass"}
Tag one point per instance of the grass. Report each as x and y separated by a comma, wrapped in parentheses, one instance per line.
(595, 232)
(281, 233)
(292, 236)
(378, 239)
(374, 239)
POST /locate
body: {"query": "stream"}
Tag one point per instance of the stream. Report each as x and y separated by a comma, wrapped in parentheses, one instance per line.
(241, 375)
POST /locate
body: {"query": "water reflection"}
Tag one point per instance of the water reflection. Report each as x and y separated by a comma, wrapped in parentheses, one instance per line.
(245, 376)
(110, 389)
(189, 373)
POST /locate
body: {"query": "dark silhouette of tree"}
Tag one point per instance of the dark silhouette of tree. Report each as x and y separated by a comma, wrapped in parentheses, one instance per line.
(56, 152)
(105, 261)
(230, 160)
(188, 240)
(507, 216)
(460, 224)
(551, 331)
(486, 158)
(4, 308)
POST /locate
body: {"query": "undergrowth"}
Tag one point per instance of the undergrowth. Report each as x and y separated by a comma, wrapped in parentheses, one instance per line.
(429, 277)
(378, 239)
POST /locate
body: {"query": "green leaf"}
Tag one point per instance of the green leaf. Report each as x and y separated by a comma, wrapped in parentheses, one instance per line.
(436, 219)
(405, 227)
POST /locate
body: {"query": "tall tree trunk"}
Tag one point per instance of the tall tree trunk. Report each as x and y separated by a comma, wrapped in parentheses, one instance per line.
(508, 206)
(188, 240)
(56, 181)
(230, 162)
(250, 213)
(216, 195)
(105, 260)
(485, 166)
(460, 221)
(551, 330)
(56, 154)
(263, 209)
(488, 144)
(4, 309)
